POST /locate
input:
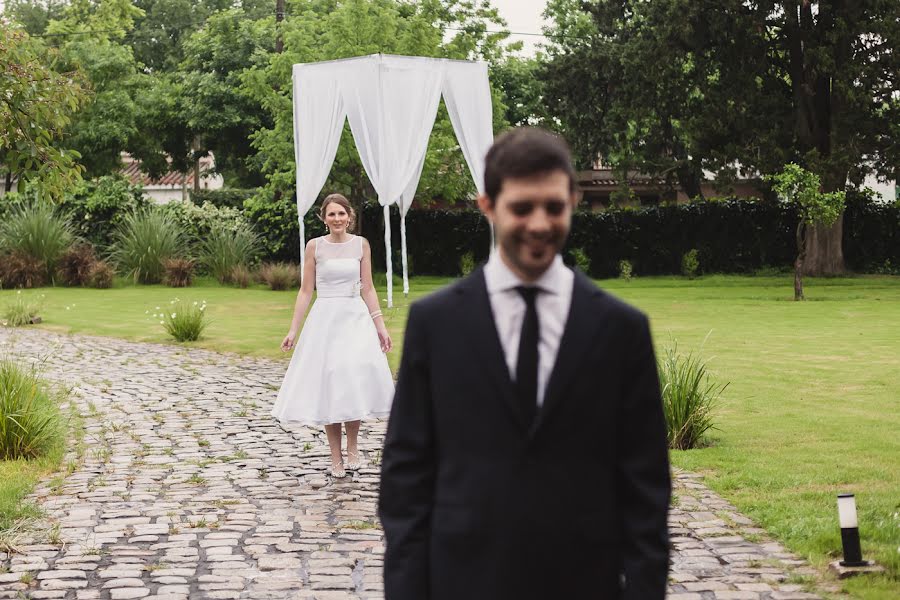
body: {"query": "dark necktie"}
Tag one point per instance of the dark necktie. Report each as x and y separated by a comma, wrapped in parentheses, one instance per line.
(527, 361)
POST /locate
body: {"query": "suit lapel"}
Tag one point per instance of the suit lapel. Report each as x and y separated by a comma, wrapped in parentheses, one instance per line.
(576, 338)
(479, 320)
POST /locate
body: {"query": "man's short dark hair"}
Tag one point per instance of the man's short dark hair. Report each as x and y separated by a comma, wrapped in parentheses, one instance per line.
(525, 152)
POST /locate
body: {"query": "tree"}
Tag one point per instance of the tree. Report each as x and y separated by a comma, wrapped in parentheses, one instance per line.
(802, 189)
(36, 105)
(159, 35)
(33, 15)
(733, 86)
(88, 38)
(323, 30)
(220, 113)
(522, 90)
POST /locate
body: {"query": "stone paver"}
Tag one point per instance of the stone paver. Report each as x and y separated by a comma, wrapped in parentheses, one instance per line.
(186, 488)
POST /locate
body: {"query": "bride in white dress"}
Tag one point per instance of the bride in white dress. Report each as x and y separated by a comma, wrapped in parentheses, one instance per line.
(338, 373)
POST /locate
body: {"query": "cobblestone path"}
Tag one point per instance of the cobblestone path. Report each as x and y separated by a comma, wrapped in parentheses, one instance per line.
(185, 488)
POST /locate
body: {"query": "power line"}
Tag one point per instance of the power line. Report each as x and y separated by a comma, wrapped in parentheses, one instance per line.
(69, 33)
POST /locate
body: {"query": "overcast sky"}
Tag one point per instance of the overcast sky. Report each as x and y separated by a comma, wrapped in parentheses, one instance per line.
(524, 16)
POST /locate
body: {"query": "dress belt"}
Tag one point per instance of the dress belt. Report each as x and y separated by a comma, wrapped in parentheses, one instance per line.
(337, 293)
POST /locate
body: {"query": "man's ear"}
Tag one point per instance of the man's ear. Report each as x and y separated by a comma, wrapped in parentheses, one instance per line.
(486, 207)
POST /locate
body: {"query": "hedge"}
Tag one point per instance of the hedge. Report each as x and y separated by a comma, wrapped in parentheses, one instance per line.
(731, 236)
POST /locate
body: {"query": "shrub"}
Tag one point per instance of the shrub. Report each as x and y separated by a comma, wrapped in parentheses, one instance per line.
(466, 263)
(23, 310)
(689, 396)
(30, 422)
(96, 209)
(690, 263)
(198, 222)
(19, 270)
(241, 276)
(179, 272)
(279, 276)
(102, 275)
(76, 263)
(276, 220)
(225, 249)
(625, 270)
(230, 197)
(184, 321)
(581, 259)
(143, 241)
(38, 231)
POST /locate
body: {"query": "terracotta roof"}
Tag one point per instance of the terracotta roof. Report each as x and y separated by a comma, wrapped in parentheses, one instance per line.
(131, 169)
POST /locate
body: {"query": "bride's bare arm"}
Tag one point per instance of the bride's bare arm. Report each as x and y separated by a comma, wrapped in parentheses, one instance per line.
(370, 297)
(303, 296)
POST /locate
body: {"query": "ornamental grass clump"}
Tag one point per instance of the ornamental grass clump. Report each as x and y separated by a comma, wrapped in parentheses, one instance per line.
(226, 249)
(18, 270)
(241, 276)
(35, 232)
(689, 396)
(102, 275)
(184, 321)
(279, 276)
(30, 420)
(76, 263)
(23, 310)
(179, 272)
(143, 242)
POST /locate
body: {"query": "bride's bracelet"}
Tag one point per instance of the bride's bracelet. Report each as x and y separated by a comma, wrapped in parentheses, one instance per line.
(375, 314)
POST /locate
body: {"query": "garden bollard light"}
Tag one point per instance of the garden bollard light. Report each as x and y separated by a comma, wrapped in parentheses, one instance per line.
(849, 532)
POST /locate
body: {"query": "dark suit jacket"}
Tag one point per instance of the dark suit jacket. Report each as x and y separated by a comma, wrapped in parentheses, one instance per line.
(477, 505)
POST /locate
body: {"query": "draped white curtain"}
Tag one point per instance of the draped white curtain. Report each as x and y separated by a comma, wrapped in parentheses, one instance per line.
(318, 121)
(391, 103)
(391, 107)
(467, 95)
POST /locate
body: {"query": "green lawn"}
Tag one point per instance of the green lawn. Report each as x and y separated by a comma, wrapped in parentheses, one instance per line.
(812, 409)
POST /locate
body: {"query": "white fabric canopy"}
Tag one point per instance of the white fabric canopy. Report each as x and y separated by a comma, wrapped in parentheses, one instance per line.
(318, 120)
(391, 103)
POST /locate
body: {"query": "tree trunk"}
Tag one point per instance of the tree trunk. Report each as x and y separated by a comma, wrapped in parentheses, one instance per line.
(690, 181)
(8, 186)
(798, 263)
(197, 172)
(824, 252)
(279, 17)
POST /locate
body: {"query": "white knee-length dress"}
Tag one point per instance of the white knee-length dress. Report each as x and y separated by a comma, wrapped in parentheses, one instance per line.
(338, 372)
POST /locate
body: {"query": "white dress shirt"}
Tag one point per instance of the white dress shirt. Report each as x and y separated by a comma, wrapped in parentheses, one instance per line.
(508, 307)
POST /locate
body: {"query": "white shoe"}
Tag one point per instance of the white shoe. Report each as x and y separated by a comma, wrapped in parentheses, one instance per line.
(354, 462)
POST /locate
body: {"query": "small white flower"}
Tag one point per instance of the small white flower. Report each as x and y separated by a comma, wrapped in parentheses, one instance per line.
(162, 323)
(195, 303)
(173, 315)
(146, 312)
(157, 308)
(68, 308)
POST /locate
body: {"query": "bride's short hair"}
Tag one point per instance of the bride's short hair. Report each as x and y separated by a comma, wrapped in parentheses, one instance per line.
(341, 200)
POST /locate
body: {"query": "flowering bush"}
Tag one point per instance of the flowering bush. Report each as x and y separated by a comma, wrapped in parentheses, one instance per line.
(23, 310)
(184, 321)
